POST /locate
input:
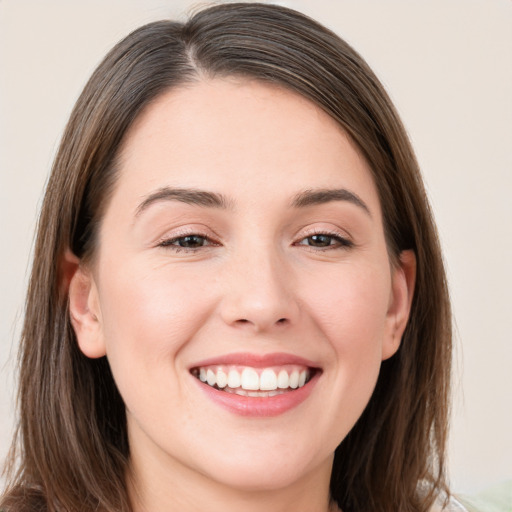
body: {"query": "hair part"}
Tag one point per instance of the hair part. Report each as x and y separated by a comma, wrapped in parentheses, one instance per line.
(72, 450)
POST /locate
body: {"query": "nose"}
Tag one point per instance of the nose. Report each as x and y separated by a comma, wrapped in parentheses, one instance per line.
(259, 293)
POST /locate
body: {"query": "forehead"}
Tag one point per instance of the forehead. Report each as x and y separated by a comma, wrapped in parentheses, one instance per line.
(245, 138)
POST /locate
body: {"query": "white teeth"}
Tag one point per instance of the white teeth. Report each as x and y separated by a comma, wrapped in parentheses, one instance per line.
(294, 379)
(253, 382)
(222, 379)
(250, 379)
(233, 379)
(283, 380)
(210, 378)
(268, 380)
(254, 394)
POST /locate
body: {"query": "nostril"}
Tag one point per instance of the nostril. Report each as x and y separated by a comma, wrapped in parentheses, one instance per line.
(281, 321)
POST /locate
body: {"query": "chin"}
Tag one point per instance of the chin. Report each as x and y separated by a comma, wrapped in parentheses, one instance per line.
(260, 472)
(260, 479)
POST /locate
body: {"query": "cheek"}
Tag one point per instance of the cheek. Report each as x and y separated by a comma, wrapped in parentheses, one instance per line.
(351, 314)
(147, 320)
(149, 316)
(350, 305)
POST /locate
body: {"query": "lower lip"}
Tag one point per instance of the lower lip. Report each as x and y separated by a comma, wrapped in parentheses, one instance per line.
(259, 406)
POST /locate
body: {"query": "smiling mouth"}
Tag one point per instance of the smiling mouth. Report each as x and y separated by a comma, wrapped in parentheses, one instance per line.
(254, 382)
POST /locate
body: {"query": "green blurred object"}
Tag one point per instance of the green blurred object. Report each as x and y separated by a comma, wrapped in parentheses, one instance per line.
(495, 499)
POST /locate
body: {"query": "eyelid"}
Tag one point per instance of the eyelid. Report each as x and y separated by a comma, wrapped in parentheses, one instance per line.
(166, 241)
(345, 240)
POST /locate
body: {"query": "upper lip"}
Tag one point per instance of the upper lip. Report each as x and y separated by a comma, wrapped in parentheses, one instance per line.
(256, 360)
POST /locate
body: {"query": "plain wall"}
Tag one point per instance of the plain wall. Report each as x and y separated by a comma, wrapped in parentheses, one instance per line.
(447, 65)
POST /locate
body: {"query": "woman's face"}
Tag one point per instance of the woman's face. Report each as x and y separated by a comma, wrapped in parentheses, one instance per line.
(243, 245)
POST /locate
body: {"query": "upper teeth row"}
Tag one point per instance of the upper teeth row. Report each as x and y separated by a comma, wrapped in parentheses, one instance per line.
(249, 379)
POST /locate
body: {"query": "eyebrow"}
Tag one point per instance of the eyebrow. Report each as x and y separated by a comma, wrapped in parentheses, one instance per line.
(214, 200)
(184, 195)
(321, 196)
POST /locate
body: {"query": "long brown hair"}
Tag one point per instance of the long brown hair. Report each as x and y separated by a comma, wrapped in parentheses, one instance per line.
(71, 450)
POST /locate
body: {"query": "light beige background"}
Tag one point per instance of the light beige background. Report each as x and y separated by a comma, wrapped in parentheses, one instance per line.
(448, 67)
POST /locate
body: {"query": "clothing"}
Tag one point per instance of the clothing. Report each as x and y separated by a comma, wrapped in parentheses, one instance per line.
(453, 505)
(456, 506)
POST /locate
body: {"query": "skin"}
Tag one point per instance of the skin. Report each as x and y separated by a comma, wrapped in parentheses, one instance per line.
(260, 284)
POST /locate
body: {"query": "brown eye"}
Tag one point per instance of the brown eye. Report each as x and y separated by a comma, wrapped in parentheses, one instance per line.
(186, 242)
(320, 240)
(191, 241)
(326, 241)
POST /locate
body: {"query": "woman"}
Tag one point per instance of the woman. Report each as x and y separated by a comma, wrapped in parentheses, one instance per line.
(238, 298)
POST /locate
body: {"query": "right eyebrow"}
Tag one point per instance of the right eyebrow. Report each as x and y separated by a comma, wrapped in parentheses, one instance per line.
(185, 195)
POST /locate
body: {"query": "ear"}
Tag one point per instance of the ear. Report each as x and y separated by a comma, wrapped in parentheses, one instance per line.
(402, 291)
(84, 307)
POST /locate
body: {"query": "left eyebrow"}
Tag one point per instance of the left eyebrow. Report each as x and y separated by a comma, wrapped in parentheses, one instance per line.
(326, 195)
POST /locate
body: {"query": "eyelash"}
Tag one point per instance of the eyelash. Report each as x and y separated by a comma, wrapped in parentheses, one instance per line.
(171, 242)
(340, 242)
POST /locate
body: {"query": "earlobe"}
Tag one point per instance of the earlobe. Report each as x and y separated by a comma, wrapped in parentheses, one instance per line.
(403, 282)
(84, 308)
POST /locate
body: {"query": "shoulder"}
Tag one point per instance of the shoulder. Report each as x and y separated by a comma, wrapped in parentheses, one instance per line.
(452, 505)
